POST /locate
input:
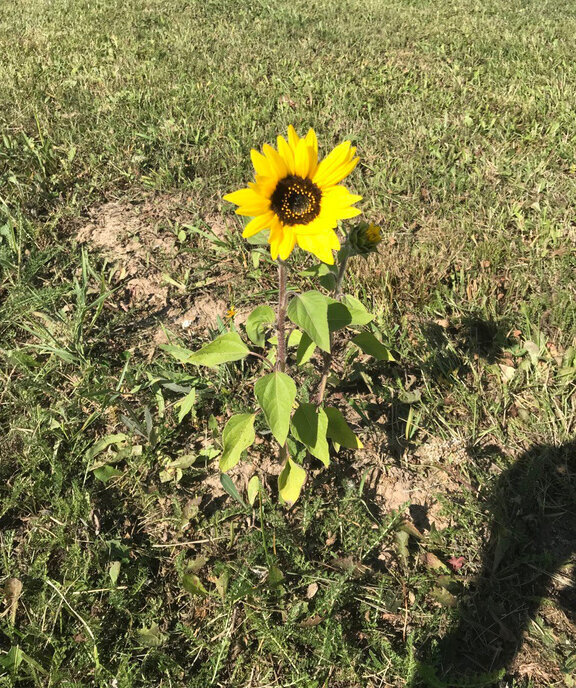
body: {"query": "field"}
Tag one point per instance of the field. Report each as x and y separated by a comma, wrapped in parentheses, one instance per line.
(443, 553)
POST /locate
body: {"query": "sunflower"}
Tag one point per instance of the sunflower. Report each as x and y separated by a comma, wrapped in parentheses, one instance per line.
(298, 198)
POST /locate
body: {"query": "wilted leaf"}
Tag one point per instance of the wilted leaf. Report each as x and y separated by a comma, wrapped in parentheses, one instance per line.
(291, 481)
(256, 322)
(253, 489)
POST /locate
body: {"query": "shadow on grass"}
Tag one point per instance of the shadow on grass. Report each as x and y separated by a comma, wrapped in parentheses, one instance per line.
(528, 558)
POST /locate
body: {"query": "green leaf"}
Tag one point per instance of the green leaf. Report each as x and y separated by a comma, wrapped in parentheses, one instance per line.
(229, 487)
(237, 436)
(339, 431)
(254, 488)
(309, 312)
(294, 339)
(103, 444)
(224, 349)
(260, 316)
(105, 473)
(185, 405)
(309, 426)
(192, 584)
(222, 584)
(372, 346)
(184, 461)
(275, 576)
(338, 315)
(276, 393)
(290, 482)
(178, 352)
(306, 349)
(357, 310)
(151, 637)
(114, 571)
(13, 658)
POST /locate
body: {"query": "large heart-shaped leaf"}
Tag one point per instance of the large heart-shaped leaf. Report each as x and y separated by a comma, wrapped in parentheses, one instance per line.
(276, 393)
(309, 312)
(309, 426)
(237, 436)
(224, 349)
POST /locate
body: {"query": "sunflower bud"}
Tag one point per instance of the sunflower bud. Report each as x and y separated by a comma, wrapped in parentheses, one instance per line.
(364, 238)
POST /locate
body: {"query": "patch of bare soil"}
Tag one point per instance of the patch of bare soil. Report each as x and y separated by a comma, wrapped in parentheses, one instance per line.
(415, 485)
(136, 241)
(139, 238)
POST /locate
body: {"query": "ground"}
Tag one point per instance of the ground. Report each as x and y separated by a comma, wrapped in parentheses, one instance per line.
(440, 554)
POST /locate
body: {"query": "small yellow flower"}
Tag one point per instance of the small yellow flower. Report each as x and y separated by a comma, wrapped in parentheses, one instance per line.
(374, 234)
(364, 238)
(298, 198)
(231, 312)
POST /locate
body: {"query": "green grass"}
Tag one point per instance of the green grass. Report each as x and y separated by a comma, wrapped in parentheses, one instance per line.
(464, 121)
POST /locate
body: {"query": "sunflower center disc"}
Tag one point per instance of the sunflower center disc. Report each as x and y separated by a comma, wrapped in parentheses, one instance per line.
(296, 200)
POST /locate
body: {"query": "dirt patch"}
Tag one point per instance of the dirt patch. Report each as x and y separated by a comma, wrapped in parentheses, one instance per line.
(416, 485)
(138, 240)
(151, 264)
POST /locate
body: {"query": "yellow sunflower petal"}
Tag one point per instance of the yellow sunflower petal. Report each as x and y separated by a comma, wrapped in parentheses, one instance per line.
(302, 159)
(317, 245)
(263, 186)
(339, 173)
(244, 197)
(311, 140)
(319, 225)
(293, 138)
(280, 168)
(275, 238)
(255, 207)
(287, 243)
(286, 154)
(339, 196)
(257, 224)
(261, 164)
(347, 213)
(335, 166)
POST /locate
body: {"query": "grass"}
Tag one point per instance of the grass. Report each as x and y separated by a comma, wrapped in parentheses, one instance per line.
(463, 114)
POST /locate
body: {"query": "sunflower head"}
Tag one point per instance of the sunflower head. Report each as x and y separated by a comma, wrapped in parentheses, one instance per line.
(297, 197)
(364, 238)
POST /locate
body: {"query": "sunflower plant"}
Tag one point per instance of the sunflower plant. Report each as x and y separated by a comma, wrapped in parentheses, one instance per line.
(299, 201)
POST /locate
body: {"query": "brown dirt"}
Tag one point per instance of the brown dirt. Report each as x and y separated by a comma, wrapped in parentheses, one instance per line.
(139, 239)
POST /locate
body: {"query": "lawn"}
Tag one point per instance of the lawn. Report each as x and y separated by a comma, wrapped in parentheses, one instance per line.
(443, 553)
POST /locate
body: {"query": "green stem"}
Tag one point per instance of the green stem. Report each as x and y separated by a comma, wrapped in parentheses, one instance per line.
(281, 334)
(281, 317)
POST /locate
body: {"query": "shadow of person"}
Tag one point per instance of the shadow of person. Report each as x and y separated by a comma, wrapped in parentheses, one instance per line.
(530, 556)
